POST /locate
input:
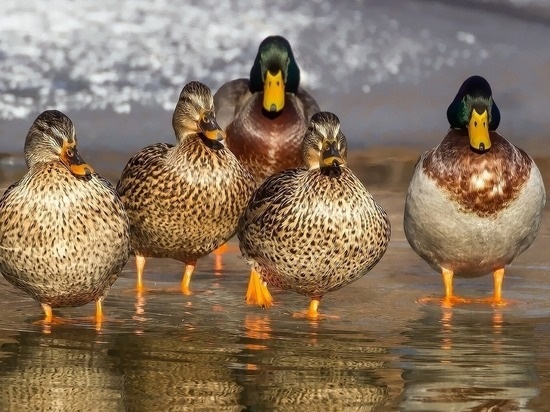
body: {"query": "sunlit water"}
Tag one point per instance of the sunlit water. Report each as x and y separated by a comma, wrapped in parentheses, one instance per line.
(376, 348)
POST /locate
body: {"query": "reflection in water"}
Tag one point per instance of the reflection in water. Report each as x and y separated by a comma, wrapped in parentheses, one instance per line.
(60, 371)
(178, 371)
(475, 361)
(313, 370)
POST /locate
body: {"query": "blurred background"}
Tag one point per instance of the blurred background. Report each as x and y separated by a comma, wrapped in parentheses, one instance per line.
(388, 69)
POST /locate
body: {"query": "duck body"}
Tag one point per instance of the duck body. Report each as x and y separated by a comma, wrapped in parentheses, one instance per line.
(65, 237)
(267, 115)
(267, 143)
(314, 230)
(475, 201)
(473, 213)
(185, 200)
(302, 237)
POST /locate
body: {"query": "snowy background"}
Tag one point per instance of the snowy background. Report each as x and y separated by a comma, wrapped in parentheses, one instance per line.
(388, 68)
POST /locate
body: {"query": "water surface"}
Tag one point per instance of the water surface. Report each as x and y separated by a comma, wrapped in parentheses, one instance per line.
(376, 349)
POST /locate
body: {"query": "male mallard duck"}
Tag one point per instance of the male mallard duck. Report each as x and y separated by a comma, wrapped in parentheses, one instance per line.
(266, 117)
(475, 201)
(184, 201)
(312, 230)
(64, 233)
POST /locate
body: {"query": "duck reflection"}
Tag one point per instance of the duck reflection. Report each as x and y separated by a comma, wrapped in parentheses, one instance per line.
(184, 370)
(65, 370)
(468, 361)
(312, 368)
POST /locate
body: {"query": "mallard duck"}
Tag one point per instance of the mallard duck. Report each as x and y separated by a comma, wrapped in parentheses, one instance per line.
(266, 116)
(184, 201)
(475, 201)
(64, 234)
(315, 229)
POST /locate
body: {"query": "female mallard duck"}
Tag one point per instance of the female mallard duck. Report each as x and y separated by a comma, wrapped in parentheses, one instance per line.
(64, 232)
(265, 118)
(184, 201)
(475, 201)
(312, 230)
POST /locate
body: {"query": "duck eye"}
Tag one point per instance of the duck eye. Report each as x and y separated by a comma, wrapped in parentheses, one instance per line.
(69, 152)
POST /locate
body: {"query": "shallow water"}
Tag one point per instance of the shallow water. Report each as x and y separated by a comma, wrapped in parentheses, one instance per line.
(376, 349)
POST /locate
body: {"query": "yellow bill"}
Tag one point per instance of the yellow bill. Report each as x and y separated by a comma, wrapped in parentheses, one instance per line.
(478, 130)
(274, 92)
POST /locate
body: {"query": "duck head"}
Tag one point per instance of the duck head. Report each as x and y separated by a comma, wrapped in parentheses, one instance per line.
(473, 109)
(52, 137)
(274, 73)
(324, 144)
(195, 114)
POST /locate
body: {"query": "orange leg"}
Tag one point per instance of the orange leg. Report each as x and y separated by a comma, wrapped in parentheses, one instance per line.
(99, 311)
(99, 314)
(498, 276)
(312, 312)
(257, 292)
(313, 309)
(49, 318)
(448, 283)
(449, 299)
(140, 266)
(218, 253)
(189, 268)
(48, 312)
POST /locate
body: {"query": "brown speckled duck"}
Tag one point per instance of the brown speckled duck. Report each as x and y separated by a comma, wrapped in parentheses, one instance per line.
(184, 201)
(312, 230)
(266, 116)
(64, 234)
(475, 201)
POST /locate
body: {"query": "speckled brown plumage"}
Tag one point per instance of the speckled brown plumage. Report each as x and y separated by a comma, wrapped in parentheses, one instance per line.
(184, 201)
(266, 142)
(503, 169)
(314, 230)
(64, 238)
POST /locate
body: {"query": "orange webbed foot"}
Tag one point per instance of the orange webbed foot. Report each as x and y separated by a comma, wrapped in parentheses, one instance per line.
(312, 312)
(257, 292)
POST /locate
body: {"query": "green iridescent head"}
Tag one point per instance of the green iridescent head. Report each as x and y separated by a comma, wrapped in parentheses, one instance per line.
(473, 109)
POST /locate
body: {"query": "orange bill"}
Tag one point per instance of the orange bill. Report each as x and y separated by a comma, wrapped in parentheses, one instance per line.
(72, 160)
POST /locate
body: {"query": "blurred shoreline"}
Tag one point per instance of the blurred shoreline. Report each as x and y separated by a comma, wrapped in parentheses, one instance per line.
(380, 168)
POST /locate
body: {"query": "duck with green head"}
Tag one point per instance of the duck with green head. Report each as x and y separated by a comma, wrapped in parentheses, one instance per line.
(266, 116)
(475, 201)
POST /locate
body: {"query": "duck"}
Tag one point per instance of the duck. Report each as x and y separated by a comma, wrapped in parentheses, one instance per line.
(312, 229)
(475, 201)
(64, 233)
(265, 116)
(184, 200)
